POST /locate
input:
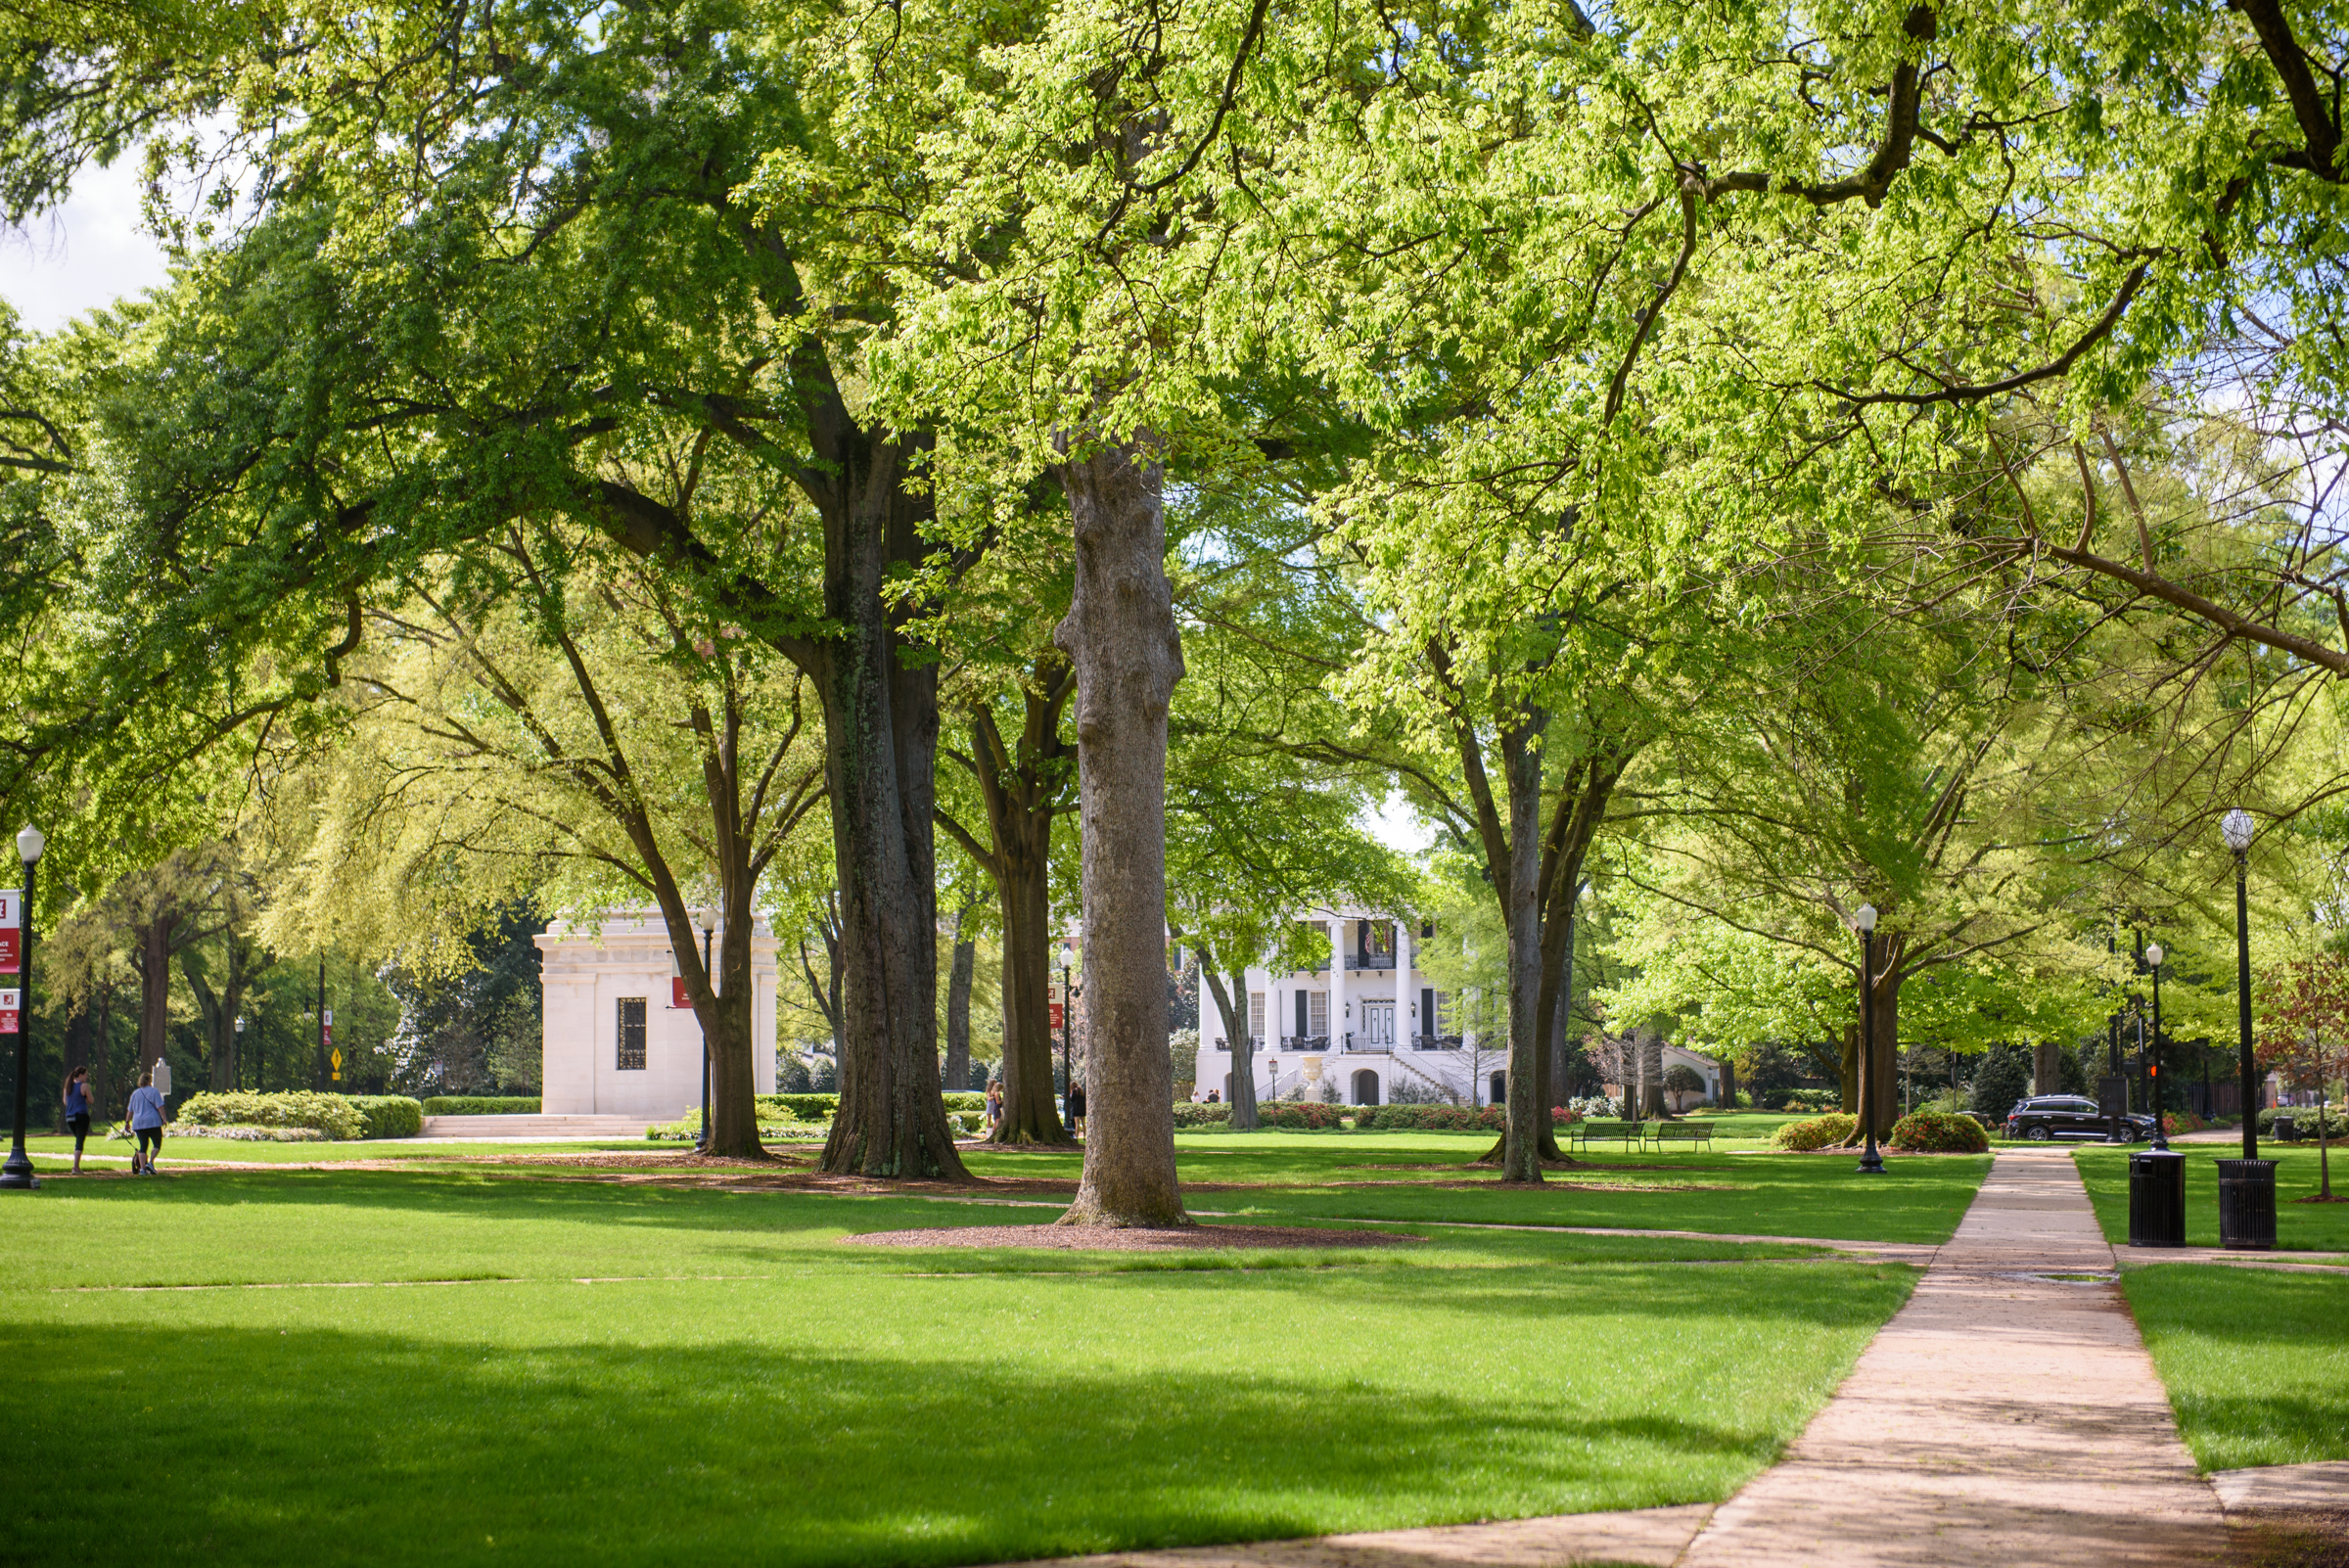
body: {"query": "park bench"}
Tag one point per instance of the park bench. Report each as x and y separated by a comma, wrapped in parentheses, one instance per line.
(1664, 1132)
(1583, 1132)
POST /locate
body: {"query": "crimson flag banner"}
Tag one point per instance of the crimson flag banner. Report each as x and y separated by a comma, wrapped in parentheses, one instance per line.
(12, 931)
(9, 1008)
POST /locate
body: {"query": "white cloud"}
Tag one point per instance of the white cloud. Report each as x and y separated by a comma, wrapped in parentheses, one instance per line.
(87, 254)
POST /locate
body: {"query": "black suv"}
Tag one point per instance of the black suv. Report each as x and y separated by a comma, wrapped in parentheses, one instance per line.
(2070, 1115)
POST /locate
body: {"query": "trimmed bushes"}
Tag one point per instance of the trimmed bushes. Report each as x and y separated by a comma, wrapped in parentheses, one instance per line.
(1938, 1133)
(820, 1107)
(1819, 1100)
(481, 1105)
(1819, 1133)
(1438, 1119)
(1188, 1115)
(387, 1116)
(329, 1113)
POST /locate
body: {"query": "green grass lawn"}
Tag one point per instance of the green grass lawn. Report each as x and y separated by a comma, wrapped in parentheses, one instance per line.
(629, 1374)
(2256, 1361)
(2299, 1226)
(54, 1154)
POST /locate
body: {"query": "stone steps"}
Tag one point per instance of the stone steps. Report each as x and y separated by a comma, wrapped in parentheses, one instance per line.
(534, 1126)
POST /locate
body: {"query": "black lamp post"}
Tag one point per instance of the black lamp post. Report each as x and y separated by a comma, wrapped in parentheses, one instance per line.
(2153, 958)
(709, 925)
(1068, 1026)
(1871, 1163)
(2237, 829)
(17, 1172)
(2247, 1186)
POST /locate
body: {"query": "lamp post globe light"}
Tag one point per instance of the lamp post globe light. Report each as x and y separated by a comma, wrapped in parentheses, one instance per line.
(700, 1145)
(17, 1173)
(2247, 1186)
(1871, 1163)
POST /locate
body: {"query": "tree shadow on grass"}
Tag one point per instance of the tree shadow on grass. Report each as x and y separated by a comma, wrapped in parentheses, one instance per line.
(255, 1445)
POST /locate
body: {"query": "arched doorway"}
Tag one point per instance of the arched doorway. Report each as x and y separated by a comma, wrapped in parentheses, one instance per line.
(1365, 1088)
(1500, 1090)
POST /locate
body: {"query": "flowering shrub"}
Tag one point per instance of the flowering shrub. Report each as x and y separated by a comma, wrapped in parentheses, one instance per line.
(1438, 1118)
(2181, 1122)
(1596, 1108)
(1819, 1133)
(1564, 1116)
(1310, 1116)
(329, 1113)
(249, 1135)
(1938, 1133)
(1188, 1115)
(1810, 1100)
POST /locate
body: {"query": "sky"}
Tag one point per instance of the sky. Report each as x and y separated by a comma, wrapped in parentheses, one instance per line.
(89, 253)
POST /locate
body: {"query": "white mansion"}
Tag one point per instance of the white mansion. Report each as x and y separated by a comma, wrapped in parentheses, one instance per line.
(1371, 1023)
(1366, 1021)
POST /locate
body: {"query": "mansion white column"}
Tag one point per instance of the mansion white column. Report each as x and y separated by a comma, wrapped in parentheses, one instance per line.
(1338, 1021)
(1407, 1001)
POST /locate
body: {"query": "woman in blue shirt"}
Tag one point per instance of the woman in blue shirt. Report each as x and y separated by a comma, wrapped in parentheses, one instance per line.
(147, 1121)
(77, 1110)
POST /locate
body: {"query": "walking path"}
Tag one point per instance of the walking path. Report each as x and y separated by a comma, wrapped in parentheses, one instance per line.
(2003, 1415)
(2007, 1414)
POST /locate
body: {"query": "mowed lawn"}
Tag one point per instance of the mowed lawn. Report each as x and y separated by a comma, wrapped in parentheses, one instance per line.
(2256, 1361)
(468, 1364)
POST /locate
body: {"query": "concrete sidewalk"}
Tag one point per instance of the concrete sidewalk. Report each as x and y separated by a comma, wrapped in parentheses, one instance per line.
(2003, 1415)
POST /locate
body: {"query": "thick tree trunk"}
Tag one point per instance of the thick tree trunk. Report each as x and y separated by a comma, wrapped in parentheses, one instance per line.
(232, 1003)
(1121, 636)
(1849, 1075)
(155, 989)
(959, 1010)
(1023, 862)
(1231, 1005)
(880, 753)
(102, 1049)
(1652, 1106)
(1876, 1077)
(78, 1029)
(1521, 1140)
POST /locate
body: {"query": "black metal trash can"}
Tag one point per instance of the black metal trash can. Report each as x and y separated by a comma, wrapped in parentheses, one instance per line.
(2247, 1205)
(2157, 1199)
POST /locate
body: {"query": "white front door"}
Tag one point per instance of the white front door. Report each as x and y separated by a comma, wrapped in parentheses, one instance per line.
(1378, 1025)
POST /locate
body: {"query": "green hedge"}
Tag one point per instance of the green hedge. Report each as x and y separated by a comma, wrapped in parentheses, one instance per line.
(1188, 1114)
(481, 1105)
(387, 1116)
(2304, 1121)
(1939, 1133)
(802, 1107)
(329, 1113)
(783, 1129)
(1819, 1133)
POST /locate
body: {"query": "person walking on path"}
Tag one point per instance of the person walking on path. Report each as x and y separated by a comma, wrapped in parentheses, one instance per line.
(77, 1110)
(994, 1104)
(1076, 1109)
(147, 1124)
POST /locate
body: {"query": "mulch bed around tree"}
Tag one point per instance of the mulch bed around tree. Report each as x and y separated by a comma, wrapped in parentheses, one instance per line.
(1113, 1238)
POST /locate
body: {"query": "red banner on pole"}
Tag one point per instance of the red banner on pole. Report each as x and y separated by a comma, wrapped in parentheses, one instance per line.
(1056, 1015)
(678, 996)
(9, 1008)
(12, 931)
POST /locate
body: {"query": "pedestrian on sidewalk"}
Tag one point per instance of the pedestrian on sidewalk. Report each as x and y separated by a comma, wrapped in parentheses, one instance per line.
(147, 1124)
(994, 1104)
(77, 1110)
(1076, 1109)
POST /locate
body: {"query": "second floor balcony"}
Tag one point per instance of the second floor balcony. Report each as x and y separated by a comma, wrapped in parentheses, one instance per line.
(1370, 960)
